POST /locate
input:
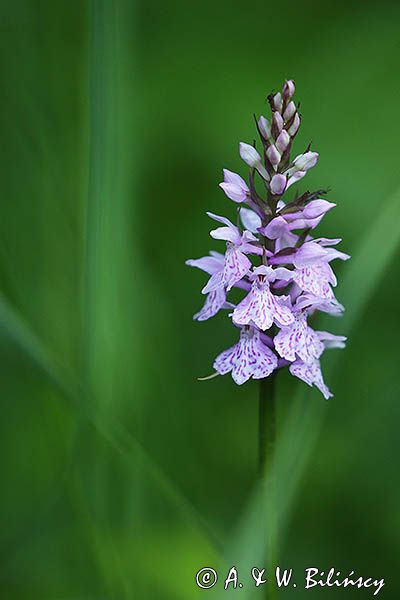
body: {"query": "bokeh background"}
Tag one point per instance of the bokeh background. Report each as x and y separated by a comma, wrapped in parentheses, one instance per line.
(121, 474)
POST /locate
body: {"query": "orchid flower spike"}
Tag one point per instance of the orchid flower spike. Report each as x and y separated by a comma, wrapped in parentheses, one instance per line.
(272, 257)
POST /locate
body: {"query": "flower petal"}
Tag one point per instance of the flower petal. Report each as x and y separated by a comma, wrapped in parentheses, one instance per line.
(223, 220)
(310, 374)
(332, 341)
(237, 265)
(250, 219)
(231, 177)
(229, 234)
(234, 192)
(275, 229)
(214, 302)
(209, 264)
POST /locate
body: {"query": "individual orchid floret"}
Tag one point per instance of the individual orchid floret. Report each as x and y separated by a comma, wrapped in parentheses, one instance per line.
(316, 279)
(311, 252)
(216, 299)
(249, 358)
(313, 274)
(235, 186)
(312, 303)
(298, 340)
(261, 307)
(236, 263)
(245, 240)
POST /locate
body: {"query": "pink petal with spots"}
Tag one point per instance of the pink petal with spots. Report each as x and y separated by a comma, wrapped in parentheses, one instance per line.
(250, 358)
(298, 340)
(214, 302)
(311, 374)
(261, 308)
(237, 265)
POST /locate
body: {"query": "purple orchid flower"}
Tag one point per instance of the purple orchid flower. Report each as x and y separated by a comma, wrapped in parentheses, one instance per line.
(236, 263)
(313, 274)
(261, 307)
(298, 340)
(235, 187)
(249, 358)
(217, 299)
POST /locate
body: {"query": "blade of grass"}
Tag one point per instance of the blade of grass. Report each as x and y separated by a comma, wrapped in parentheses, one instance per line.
(117, 436)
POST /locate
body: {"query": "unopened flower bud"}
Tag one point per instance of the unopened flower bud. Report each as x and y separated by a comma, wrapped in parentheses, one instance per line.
(253, 159)
(277, 124)
(249, 155)
(305, 161)
(294, 126)
(273, 156)
(289, 111)
(288, 89)
(278, 101)
(282, 141)
(264, 127)
(278, 184)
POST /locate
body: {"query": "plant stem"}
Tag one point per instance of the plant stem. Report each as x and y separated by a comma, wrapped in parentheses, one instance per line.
(267, 437)
(267, 423)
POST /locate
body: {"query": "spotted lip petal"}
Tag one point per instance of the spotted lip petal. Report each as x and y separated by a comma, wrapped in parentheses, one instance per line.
(311, 374)
(214, 302)
(298, 340)
(236, 266)
(262, 308)
(316, 279)
(249, 358)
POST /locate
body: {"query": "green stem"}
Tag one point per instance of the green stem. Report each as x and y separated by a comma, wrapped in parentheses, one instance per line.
(267, 423)
(267, 438)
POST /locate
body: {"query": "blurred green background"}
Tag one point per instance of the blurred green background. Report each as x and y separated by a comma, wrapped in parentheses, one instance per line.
(122, 475)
